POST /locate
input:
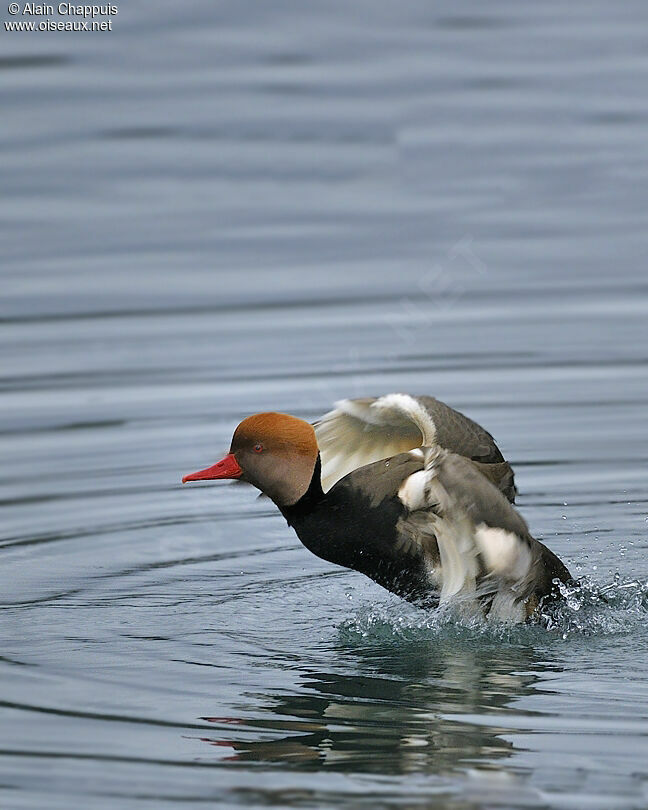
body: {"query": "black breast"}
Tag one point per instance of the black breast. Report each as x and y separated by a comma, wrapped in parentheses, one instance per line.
(354, 525)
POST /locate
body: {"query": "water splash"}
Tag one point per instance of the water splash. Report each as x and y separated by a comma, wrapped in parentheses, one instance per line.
(590, 609)
(587, 609)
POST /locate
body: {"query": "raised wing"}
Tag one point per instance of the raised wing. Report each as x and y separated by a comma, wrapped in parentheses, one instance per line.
(360, 431)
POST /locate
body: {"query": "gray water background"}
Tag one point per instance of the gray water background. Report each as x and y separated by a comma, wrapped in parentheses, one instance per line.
(219, 208)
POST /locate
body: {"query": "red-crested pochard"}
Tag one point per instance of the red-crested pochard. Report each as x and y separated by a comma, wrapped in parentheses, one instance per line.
(405, 490)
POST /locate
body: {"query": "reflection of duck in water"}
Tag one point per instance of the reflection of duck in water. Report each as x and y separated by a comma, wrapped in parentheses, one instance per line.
(405, 490)
(397, 718)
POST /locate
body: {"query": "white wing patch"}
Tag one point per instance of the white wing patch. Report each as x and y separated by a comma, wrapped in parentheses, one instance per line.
(360, 431)
(413, 490)
(504, 553)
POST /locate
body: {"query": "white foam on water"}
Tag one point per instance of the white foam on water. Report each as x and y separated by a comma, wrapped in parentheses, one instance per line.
(587, 609)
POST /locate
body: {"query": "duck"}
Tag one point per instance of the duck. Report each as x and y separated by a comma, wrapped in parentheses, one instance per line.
(407, 491)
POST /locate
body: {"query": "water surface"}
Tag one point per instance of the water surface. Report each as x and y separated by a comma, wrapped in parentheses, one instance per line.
(214, 210)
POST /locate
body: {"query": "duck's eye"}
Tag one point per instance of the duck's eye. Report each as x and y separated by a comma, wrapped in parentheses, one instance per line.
(258, 448)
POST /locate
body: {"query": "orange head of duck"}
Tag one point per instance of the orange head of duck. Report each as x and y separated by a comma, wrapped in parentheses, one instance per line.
(275, 452)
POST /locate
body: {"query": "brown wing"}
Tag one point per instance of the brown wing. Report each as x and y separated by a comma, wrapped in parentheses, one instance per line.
(463, 436)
